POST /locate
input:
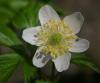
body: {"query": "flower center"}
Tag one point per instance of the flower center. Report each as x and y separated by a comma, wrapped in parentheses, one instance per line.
(55, 39)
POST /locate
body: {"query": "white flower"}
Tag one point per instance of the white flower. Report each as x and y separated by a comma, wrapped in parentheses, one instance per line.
(56, 38)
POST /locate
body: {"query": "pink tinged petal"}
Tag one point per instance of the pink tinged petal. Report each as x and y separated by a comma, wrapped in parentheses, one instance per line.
(47, 13)
(40, 59)
(62, 62)
(74, 21)
(29, 35)
(80, 45)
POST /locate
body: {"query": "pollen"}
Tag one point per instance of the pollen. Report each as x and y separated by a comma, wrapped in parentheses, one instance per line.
(57, 38)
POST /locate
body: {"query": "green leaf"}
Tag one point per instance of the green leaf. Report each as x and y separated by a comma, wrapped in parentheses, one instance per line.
(42, 81)
(84, 61)
(5, 15)
(9, 8)
(20, 21)
(29, 71)
(8, 37)
(60, 12)
(8, 63)
(28, 17)
(18, 4)
(79, 56)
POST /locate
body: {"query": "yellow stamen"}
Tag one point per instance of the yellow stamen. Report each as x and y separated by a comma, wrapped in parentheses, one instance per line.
(57, 38)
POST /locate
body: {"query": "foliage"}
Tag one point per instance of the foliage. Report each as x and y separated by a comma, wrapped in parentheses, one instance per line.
(29, 72)
(83, 61)
(8, 37)
(8, 63)
(28, 17)
(15, 15)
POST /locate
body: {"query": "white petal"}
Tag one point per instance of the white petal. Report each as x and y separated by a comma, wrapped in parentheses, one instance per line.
(47, 13)
(62, 62)
(29, 35)
(40, 59)
(80, 45)
(74, 21)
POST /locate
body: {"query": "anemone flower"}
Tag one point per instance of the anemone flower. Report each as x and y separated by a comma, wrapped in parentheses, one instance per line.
(56, 38)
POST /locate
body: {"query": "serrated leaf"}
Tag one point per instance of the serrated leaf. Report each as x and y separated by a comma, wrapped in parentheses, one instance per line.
(8, 37)
(84, 61)
(28, 17)
(8, 63)
(29, 72)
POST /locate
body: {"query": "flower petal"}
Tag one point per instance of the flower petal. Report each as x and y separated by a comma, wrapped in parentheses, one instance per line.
(29, 35)
(74, 21)
(47, 13)
(62, 62)
(80, 45)
(40, 59)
